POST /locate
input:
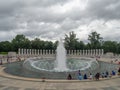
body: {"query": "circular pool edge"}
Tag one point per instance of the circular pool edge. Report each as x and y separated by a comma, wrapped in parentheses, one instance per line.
(10, 76)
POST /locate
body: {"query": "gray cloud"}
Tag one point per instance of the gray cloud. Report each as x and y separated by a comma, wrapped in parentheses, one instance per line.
(51, 19)
(107, 9)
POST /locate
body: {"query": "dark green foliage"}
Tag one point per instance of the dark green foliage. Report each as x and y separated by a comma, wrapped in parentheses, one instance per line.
(5, 46)
(71, 43)
(110, 46)
(95, 40)
(20, 41)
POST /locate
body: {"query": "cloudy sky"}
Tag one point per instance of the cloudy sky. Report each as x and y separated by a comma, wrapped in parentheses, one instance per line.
(52, 19)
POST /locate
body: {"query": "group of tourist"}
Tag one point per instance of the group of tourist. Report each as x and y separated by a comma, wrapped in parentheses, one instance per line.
(8, 59)
(4, 59)
(80, 76)
(97, 76)
(116, 61)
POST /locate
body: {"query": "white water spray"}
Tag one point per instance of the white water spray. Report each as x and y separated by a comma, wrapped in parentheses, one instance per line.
(61, 57)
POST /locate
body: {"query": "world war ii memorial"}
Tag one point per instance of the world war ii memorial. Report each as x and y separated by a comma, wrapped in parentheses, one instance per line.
(59, 45)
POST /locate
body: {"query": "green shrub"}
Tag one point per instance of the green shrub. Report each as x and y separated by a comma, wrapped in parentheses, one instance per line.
(3, 52)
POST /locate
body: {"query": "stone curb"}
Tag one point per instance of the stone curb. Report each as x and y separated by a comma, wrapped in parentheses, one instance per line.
(9, 76)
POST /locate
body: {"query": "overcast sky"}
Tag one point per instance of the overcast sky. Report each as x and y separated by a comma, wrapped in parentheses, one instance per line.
(52, 19)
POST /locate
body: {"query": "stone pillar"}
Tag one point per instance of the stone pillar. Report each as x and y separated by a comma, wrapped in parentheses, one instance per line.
(102, 51)
(51, 51)
(80, 52)
(88, 52)
(30, 51)
(77, 52)
(55, 52)
(43, 52)
(99, 52)
(46, 52)
(34, 51)
(38, 52)
(83, 52)
(93, 51)
(69, 52)
(96, 51)
(24, 51)
(74, 52)
(27, 51)
(19, 51)
(66, 52)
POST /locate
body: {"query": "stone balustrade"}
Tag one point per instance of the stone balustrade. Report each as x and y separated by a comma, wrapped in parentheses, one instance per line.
(33, 52)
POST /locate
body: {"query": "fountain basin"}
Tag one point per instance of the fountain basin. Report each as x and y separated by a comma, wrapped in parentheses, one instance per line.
(73, 64)
(17, 69)
(46, 67)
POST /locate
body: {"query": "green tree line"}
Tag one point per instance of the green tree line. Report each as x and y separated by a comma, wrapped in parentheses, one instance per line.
(71, 43)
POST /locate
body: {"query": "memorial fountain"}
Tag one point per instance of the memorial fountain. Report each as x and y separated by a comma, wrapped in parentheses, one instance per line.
(61, 66)
(57, 67)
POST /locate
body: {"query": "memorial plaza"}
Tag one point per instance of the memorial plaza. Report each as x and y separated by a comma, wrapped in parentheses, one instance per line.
(12, 82)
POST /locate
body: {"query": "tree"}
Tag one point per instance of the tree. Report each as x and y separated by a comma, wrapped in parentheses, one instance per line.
(110, 46)
(37, 44)
(70, 40)
(5, 46)
(95, 40)
(79, 45)
(40, 44)
(49, 45)
(118, 48)
(20, 41)
(55, 44)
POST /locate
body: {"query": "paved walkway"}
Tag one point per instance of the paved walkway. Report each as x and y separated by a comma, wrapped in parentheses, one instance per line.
(13, 84)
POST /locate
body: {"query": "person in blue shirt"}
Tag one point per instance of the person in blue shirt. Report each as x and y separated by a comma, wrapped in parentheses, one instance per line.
(113, 73)
(80, 77)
